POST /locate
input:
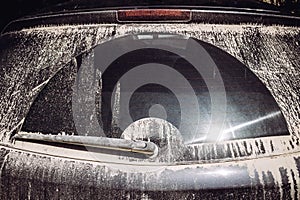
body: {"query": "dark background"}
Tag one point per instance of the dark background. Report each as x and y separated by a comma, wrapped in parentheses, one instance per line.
(13, 9)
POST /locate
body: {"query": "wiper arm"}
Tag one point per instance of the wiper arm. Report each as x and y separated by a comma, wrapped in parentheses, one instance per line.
(141, 147)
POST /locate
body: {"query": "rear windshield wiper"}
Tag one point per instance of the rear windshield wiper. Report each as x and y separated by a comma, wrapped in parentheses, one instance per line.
(148, 149)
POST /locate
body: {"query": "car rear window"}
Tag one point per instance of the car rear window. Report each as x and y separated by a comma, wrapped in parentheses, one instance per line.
(203, 92)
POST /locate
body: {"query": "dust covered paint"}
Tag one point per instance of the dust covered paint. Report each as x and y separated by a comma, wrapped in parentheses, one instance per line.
(262, 168)
(61, 178)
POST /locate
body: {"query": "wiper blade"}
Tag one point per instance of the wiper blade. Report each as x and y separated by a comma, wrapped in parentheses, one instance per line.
(116, 144)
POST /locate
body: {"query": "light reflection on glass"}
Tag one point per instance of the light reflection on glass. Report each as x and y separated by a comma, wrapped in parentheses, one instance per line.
(243, 125)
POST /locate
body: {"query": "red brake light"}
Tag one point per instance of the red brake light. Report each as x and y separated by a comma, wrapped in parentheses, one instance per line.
(170, 15)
